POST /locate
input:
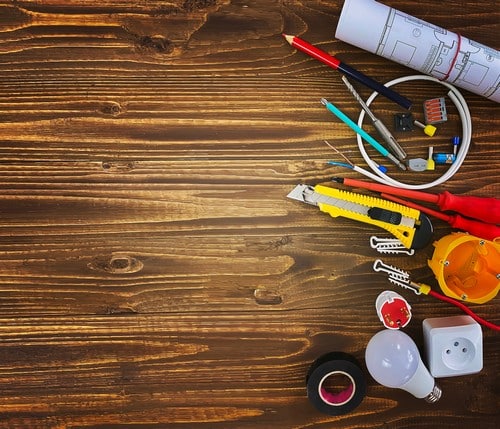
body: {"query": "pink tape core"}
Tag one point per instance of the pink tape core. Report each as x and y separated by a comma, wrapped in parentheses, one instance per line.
(337, 398)
(341, 397)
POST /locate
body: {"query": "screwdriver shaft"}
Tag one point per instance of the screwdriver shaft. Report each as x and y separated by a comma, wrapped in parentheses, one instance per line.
(364, 135)
(377, 123)
(358, 98)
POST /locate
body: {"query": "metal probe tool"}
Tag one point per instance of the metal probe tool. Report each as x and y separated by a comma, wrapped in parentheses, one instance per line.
(364, 135)
(377, 123)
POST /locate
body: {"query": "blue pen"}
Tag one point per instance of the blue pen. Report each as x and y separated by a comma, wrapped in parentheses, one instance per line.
(364, 135)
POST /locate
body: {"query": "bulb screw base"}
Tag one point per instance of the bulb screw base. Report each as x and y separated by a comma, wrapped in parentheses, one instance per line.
(434, 396)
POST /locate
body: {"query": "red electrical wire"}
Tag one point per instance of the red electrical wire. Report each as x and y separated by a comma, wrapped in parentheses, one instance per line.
(466, 309)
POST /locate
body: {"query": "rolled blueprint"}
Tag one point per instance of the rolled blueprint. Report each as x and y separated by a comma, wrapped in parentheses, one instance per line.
(419, 45)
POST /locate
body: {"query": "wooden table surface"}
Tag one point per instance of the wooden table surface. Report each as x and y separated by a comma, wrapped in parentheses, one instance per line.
(152, 271)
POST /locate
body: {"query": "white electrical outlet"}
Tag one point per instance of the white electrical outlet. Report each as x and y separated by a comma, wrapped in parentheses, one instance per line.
(453, 345)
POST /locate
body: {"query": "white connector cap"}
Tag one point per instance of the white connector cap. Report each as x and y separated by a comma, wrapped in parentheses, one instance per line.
(453, 346)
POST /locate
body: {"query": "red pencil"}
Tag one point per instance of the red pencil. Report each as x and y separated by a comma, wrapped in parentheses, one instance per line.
(336, 64)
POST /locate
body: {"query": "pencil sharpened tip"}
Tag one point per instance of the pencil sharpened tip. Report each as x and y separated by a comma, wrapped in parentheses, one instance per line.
(338, 179)
(288, 38)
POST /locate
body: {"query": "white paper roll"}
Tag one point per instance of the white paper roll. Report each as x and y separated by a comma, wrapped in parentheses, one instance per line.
(421, 46)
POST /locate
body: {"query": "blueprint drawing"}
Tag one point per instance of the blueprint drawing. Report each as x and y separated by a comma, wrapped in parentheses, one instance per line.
(422, 46)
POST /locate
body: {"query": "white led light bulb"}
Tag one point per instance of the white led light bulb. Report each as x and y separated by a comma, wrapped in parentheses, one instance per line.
(393, 360)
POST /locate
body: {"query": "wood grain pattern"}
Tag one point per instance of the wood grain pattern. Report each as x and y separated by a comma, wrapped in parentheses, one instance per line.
(152, 272)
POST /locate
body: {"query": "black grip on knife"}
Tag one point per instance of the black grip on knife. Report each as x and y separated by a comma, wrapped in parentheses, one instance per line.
(384, 215)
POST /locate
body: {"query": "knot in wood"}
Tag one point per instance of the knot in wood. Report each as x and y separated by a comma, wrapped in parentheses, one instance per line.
(116, 264)
(118, 166)
(111, 108)
(266, 297)
(192, 5)
(158, 44)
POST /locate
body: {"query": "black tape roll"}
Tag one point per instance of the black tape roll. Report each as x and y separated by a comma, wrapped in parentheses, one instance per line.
(335, 364)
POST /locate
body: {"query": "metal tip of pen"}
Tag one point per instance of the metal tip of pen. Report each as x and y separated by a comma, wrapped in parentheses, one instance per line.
(324, 101)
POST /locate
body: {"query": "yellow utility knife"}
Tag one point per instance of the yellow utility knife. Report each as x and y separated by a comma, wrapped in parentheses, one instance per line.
(410, 226)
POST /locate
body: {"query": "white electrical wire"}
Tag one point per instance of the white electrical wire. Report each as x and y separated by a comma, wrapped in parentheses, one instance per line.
(465, 117)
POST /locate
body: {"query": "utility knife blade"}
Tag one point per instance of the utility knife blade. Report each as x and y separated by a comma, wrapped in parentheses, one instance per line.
(408, 225)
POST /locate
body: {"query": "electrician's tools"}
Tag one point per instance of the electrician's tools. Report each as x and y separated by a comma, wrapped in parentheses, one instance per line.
(410, 226)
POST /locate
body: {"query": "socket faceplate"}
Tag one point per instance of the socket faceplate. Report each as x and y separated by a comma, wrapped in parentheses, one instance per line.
(453, 346)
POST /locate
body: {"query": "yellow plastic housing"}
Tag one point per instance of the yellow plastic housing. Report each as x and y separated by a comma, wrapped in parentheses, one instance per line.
(467, 267)
(405, 233)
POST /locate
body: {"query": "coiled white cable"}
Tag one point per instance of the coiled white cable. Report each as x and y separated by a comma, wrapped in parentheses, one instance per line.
(465, 117)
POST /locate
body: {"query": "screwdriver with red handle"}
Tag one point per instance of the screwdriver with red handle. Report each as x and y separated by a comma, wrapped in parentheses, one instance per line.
(486, 211)
(478, 229)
